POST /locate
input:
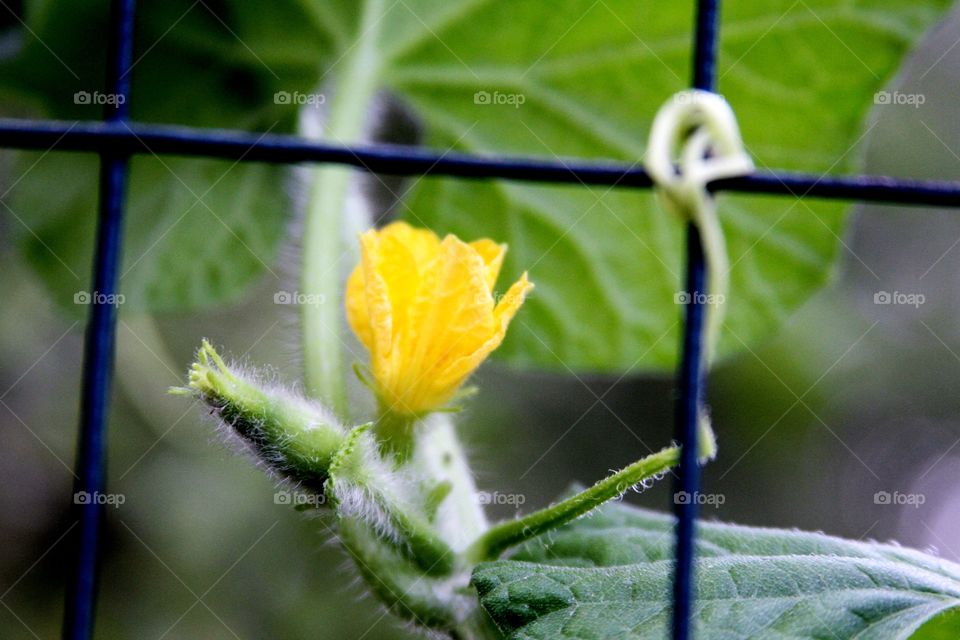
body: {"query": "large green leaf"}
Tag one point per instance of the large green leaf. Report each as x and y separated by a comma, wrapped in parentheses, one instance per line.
(590, 76)
(224, 222)
(800, 75)
(609, 576)
(197, 231)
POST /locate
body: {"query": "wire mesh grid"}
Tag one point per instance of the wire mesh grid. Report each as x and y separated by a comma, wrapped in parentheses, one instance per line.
(116, 140)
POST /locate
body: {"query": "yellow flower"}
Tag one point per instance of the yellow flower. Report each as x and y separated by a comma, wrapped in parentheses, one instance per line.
(424, 309)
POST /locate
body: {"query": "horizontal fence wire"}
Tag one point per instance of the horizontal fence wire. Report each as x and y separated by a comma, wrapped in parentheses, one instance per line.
(130, 138)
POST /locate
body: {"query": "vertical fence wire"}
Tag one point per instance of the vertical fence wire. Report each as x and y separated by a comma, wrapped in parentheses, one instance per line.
(691, 375)
(99, 342)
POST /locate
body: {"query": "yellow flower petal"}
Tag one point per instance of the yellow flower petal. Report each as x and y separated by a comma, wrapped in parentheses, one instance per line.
(379, 311)
(357, 315)
(425, 311)
(405, 252)
(492, 254)
(508, 306)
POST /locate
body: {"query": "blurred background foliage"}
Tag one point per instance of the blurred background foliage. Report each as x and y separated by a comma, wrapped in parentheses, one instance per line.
(850, 398)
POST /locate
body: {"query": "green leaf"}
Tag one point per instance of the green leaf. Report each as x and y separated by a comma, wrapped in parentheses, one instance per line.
(801, 77)
(609, 575)
(197, 232)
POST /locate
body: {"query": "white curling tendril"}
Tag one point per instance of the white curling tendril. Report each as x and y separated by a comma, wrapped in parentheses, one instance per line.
(695, 140)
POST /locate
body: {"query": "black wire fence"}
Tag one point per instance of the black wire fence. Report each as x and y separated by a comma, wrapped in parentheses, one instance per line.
(116, 140)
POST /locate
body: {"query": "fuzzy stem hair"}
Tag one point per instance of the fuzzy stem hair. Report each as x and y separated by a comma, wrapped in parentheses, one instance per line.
(293, 436)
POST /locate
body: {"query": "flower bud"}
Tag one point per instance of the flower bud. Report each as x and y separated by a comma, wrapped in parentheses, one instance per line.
(294, 436)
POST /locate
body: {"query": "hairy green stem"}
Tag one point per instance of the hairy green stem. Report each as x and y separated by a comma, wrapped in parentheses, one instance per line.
(368, 489)
(294, 436)
(394, 432)
(354, 90)
(434, 602)
(502, 536)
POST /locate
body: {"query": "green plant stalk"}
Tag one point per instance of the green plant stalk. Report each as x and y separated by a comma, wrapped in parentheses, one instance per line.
(390, 576)
(508, 534)
(291, 434)
(359, 479)
(294, 437)
(428, 446)
(447, 603)
(415, 526)
(356, 85)
(395, 433)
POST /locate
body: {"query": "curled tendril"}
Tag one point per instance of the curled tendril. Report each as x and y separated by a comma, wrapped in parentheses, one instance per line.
(694, 141)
